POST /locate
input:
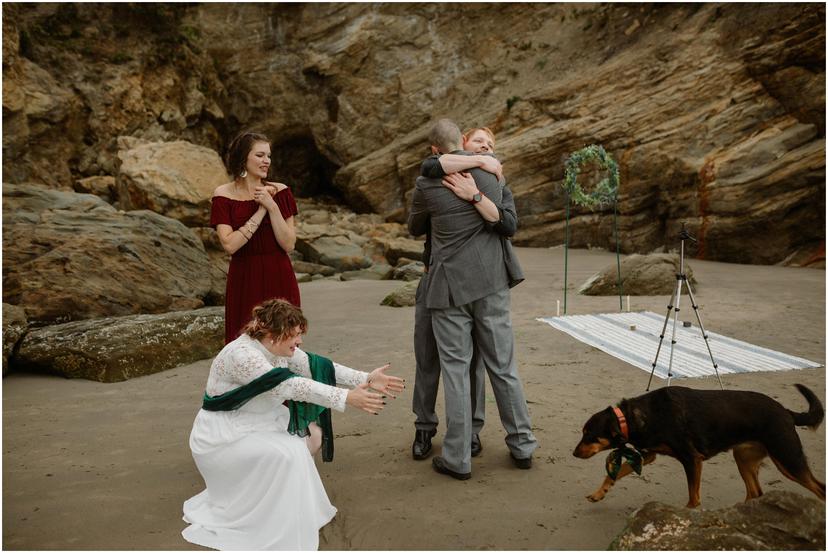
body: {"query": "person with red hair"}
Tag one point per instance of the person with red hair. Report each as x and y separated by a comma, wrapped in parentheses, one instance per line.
(265, 412)
(478, 149)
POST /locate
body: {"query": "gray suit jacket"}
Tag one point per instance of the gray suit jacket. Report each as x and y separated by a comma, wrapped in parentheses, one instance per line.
(467, 259)
(506, 227)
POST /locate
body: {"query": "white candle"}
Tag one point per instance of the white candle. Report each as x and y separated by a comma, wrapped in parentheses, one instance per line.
(628, 303)
(559, 308)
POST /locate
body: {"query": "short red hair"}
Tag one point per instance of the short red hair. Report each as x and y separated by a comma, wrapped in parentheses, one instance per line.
(487, 130)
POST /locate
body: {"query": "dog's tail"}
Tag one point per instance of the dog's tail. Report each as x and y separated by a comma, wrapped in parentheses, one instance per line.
(815, 413)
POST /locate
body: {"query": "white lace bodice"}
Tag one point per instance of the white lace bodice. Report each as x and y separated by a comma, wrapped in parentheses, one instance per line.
(245, 359)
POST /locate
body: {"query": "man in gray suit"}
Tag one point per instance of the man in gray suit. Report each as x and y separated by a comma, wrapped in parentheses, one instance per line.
(480, 142)
(468, 294)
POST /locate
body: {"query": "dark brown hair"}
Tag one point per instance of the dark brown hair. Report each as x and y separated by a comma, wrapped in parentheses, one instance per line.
(238, 150)
(277, 317)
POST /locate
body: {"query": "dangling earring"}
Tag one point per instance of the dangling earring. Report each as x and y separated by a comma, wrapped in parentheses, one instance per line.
(243, 173)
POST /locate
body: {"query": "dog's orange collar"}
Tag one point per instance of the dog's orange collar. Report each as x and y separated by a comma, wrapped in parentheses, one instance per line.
(622, 421)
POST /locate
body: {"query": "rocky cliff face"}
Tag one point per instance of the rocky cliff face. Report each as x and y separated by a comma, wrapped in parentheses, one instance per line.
(78, 76)
(715, 113)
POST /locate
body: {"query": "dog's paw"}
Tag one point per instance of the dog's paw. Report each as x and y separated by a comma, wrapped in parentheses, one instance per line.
(596, 497)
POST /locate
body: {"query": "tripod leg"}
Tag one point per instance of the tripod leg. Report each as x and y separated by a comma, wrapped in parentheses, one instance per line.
(663, 331)
(679, 280)
(704, 333)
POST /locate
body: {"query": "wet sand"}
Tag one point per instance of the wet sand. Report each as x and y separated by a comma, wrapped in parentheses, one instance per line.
(106, 466)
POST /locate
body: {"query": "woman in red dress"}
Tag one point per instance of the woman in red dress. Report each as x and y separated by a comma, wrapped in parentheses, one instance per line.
(257, 230)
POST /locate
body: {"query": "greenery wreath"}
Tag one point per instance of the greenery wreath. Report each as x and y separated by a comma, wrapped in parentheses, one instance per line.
(606, 190)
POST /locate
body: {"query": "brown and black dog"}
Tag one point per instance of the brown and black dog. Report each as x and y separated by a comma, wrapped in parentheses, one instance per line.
(694, 425)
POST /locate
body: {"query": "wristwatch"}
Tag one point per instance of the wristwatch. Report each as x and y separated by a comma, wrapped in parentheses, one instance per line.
(477, 197)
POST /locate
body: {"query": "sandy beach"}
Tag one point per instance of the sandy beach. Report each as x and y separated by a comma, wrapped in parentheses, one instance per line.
(107, 466)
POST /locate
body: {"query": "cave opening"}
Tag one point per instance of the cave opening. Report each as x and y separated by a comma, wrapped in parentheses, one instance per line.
(298, 163)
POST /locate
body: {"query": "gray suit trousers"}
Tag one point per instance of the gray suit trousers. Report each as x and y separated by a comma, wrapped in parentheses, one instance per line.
(427, 374)
(488, 320)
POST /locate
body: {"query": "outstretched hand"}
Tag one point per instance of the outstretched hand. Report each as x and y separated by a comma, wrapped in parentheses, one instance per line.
(462, 184)
(385, 383)
(362, 398)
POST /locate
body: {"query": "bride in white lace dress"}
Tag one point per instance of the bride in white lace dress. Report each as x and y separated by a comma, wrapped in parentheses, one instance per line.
(263, 490)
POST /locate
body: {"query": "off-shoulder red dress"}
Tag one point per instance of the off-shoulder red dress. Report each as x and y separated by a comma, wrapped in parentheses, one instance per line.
(259, 270)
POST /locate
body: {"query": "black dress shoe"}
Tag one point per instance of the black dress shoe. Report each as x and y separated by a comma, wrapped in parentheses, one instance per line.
(524, 464)
(421, 447)
(439, 465)
(477, 446)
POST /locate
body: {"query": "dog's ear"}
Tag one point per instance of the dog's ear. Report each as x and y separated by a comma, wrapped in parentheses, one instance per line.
(613, 425)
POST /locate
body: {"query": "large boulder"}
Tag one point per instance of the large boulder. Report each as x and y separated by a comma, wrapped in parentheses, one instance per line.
(69, 256)
(219, 265)
(175, 179)
(409, 270)
(776, 521)
(118, 348)
(338, 251)
(396, 248)
(404, 296)
(641, 275)
(14, 327)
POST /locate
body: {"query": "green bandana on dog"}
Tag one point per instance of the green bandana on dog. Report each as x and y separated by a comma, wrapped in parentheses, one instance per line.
(617, 457)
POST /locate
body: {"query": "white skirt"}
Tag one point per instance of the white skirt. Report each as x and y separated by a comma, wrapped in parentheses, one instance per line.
(263, 489)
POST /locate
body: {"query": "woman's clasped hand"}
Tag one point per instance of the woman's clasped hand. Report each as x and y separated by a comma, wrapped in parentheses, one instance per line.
(264, 196)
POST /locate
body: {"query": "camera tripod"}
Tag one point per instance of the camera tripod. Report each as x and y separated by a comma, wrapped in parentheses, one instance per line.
(681, 279)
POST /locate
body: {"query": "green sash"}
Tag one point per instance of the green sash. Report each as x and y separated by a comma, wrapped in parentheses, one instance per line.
(301, 413)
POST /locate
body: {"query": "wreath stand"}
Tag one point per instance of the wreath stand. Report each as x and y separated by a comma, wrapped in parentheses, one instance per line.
(605, 192)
